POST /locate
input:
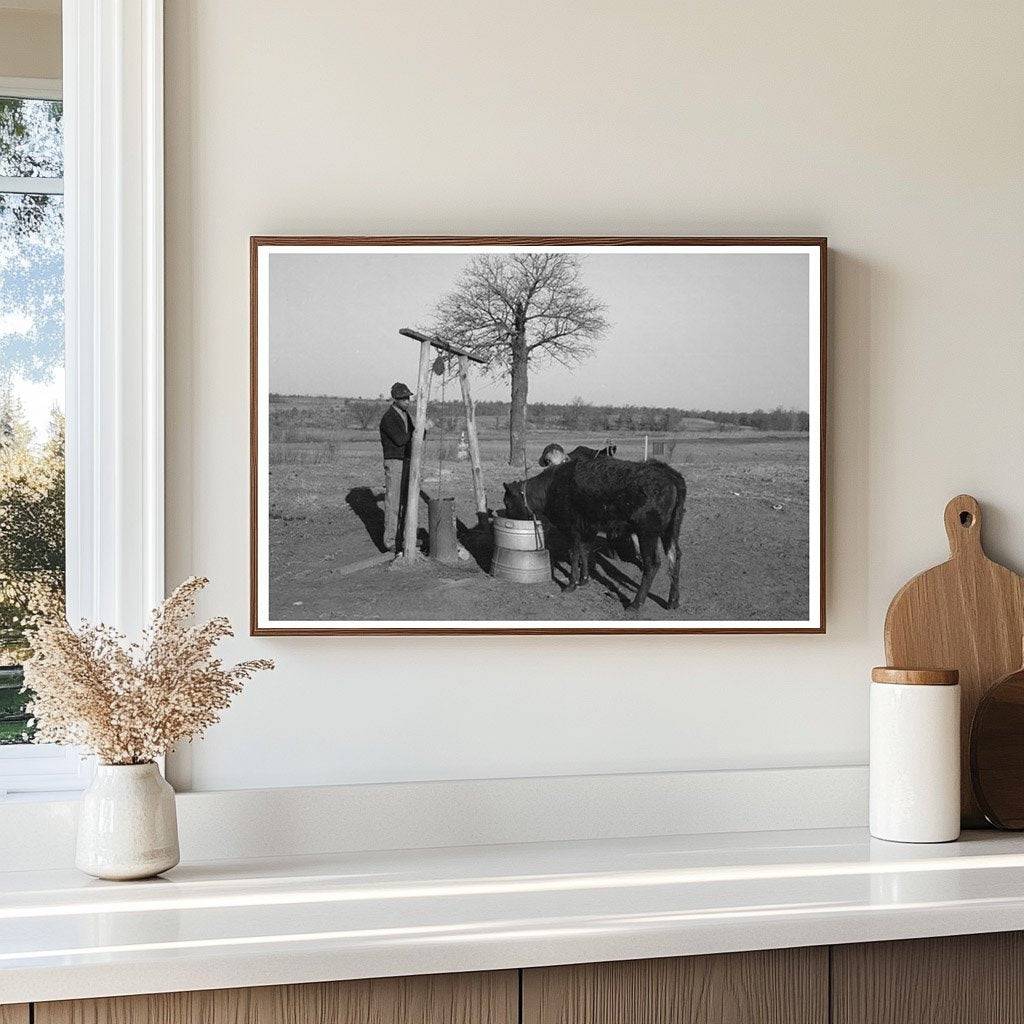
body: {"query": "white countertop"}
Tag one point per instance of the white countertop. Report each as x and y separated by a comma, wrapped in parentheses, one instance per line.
(261, 922)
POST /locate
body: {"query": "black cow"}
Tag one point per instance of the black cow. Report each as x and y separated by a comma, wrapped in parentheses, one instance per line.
(581, 452)
(613, 496)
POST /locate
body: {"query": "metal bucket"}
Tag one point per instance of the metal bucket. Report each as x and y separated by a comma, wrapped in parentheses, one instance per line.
(518, 566)
(518, 534)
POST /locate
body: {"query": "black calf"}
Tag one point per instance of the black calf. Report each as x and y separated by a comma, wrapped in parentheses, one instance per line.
(582, 498)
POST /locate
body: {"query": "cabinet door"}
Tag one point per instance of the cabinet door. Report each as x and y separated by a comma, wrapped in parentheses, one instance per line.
(962, 979)
(482, 998)
(778, 986)
(14, 1013)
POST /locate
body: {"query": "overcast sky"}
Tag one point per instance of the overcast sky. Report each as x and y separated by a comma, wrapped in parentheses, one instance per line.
(687, 329)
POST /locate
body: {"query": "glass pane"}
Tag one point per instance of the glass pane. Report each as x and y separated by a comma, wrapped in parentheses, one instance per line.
(31, 433)
(31, 138)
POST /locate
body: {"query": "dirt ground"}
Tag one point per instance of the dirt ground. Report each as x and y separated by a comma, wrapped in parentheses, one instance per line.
(744, 538)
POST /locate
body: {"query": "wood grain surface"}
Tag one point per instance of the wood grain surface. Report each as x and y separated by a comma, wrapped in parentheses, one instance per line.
(779, 986)
(967, 614)
(480, 998)
(962, 979)
(14, 1013)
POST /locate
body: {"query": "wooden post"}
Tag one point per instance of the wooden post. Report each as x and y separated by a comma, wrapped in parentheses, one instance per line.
(412, 495)
(474, 442)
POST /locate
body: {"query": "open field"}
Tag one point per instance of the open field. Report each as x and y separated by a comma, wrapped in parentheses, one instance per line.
(744, 538)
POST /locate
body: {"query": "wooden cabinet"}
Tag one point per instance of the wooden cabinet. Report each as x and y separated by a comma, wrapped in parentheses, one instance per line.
(490, 998)
(777, 986)
(970, 979)
(963, 979)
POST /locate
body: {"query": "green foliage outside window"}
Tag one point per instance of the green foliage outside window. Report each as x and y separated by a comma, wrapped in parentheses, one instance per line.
(31, 356)
(31, 549)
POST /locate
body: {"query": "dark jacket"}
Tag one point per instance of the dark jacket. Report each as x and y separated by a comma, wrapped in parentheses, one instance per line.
(396, 433)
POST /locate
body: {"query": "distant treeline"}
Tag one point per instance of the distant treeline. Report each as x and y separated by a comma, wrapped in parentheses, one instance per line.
(577, 415)
(580, 415)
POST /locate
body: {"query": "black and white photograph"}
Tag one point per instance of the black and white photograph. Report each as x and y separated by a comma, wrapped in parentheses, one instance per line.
(537, 435)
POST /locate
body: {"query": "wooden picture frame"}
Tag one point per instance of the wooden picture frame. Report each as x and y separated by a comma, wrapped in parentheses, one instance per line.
(261, 248)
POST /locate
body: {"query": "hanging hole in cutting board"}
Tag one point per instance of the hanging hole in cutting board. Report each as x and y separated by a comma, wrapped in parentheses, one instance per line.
(966, 519)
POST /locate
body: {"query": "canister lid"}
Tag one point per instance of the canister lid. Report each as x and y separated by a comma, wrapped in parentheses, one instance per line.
(916, 676)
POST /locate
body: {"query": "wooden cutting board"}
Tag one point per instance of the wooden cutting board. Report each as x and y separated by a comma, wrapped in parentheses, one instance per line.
(967, 614)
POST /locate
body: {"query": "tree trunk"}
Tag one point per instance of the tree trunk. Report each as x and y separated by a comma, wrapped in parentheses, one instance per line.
(517, 415)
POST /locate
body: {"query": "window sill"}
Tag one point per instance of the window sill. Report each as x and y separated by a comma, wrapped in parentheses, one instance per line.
(44, 771)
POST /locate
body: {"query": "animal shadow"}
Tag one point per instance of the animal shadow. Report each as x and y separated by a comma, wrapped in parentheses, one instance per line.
(607, 573)
(478, 540)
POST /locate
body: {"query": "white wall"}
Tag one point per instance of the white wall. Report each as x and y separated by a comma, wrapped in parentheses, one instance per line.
(895, 129)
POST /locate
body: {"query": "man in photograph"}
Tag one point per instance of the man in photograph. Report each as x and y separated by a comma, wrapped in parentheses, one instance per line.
(553, 455)
(396, 441)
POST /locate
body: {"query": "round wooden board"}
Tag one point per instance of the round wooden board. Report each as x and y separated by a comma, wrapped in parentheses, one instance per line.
(997, 752)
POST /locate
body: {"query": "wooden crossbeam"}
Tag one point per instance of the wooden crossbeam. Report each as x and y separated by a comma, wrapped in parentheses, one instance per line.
(445, 346)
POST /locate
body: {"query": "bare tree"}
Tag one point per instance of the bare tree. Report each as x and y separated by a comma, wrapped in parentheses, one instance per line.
(518, 307)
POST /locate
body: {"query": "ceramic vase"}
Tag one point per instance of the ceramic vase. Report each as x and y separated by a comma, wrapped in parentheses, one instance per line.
(127, 825)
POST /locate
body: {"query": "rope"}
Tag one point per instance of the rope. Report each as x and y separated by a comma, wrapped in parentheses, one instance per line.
(526, 502)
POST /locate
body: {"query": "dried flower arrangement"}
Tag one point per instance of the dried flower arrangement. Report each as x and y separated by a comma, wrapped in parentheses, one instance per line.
(129, 703)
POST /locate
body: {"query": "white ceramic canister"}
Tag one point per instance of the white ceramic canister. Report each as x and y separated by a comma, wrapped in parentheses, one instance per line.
(127, 825)
(915, 755)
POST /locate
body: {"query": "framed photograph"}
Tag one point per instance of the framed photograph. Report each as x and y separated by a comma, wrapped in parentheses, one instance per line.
(537, 435)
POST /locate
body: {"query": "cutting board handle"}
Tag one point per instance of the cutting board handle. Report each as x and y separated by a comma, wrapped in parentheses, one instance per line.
(963, 526)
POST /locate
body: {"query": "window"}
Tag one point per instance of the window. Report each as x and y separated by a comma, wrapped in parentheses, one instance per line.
(92, 172)
(32, 549)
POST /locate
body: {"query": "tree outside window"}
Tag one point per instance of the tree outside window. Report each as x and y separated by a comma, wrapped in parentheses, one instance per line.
(31, 386)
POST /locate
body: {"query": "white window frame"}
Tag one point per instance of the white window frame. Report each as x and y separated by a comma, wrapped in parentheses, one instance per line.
(32, 88)
(114, 323)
